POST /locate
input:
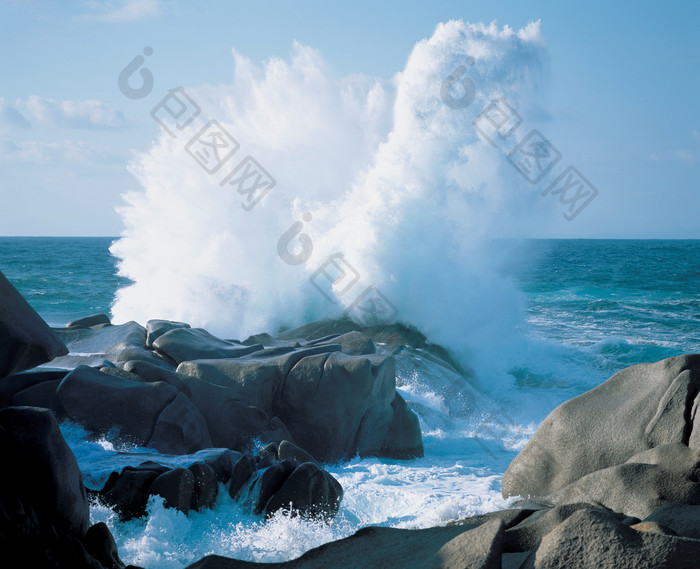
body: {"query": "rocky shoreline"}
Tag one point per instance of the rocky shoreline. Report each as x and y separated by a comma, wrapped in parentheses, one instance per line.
(611, 478)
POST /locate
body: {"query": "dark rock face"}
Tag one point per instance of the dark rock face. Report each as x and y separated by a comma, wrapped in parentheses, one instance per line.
(25, 339)
(42, 468)
(309, 490)
(404, 440)
(96, 321)
(638, 408)
(101, 401)
(44, 512)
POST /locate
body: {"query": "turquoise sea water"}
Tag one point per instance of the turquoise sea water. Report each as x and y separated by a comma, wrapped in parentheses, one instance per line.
(593, 307)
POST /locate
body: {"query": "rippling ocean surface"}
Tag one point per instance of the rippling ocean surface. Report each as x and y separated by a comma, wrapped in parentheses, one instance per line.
(593, 307)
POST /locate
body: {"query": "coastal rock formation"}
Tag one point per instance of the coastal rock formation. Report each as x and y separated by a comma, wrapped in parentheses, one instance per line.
(332, 395)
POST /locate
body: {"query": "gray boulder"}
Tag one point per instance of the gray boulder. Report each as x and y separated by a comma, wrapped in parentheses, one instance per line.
(404, 439)
(252, 379)
(101, 401)
(176, 487)
(638, 408)
(96, 320)
(642, 485)
(289, 451)
(336, 405)
(267, 483)
(353, 343)
(180, 428)
(156, 328)
(44, 513)
(18, 382)
(528, 533)
(26, 340)
(185, 344)
(206, 486)
(592, 539)
(232, 424)
(92, 347)
(309, 491)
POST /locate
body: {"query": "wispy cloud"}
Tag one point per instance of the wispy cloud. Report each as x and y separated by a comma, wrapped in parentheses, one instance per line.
(44, 152)
(89, 114)
(121, 11)
(10, 116)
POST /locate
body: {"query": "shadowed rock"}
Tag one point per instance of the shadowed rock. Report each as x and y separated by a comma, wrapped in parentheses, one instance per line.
(683, 519)
(44, 515)
(309, 491)
(95, 321)
(26, 340)
(101, 401)
(176, 487)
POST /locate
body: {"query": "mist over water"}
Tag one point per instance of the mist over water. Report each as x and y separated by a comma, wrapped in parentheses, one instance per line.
(382, 172)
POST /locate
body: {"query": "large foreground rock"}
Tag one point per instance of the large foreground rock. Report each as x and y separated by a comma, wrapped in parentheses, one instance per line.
(390, 548)
(26, 340)
(44, 512)
(638, 408)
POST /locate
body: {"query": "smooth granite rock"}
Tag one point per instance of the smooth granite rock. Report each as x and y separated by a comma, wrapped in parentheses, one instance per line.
(638, 408)
(336, 406)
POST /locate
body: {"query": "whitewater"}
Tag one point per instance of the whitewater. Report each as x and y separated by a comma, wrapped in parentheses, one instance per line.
(387, 181)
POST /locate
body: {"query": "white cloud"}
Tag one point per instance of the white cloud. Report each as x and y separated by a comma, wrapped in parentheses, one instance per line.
(44, 152)
(91, 114)
(122, 11)
(10, 116)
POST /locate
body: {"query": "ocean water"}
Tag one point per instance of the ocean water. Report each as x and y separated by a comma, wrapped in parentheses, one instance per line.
(591, 308)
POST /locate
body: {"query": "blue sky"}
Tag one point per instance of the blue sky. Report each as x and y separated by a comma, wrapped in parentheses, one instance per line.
(621, 97)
